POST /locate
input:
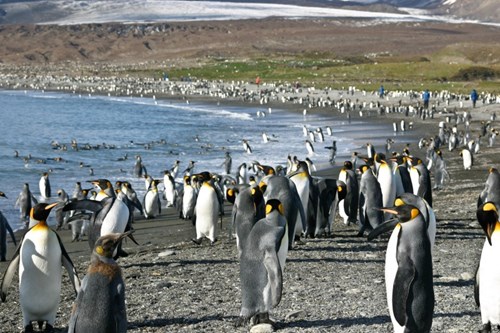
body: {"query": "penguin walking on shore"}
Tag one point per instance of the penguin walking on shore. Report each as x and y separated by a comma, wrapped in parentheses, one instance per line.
(40, 257)
(100, 304)
(408, 269)
(4, 228)
(261, 266)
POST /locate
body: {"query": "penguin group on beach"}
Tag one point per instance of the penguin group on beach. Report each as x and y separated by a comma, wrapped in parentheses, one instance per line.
(274, 209)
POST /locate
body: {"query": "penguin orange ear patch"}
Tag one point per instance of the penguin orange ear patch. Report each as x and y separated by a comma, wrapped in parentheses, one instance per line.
(281, 209)
(99, 250)
(269, 209)
(489, 207)
(399, 202)
(414, 213)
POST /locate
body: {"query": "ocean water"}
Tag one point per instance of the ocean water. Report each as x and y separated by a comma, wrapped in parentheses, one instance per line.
(160, 131)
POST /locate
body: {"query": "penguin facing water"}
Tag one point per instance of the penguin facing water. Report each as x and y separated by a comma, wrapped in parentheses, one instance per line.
(4, 228)
(40, 257)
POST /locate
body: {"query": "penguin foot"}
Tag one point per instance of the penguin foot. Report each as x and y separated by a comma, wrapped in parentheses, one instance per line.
(261, 318)
(485, 329)
(28, 328)
(197, 241)
(241, 321)
(213, 242)
(48, 328)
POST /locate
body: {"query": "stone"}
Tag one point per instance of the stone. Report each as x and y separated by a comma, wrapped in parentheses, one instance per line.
(262, 328)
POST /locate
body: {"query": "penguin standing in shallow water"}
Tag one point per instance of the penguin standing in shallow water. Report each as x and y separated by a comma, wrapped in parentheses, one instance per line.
(169, 188)
(100, 304)
(40, 257)
(408, 269)
(261, 268)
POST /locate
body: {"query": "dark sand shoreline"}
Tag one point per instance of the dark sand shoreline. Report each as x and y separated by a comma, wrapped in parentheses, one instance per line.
(334, 284)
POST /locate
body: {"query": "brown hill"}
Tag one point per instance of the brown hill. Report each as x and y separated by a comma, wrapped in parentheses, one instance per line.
(196, 41)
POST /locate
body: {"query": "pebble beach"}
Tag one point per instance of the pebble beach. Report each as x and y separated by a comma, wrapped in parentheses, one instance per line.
(333, 284)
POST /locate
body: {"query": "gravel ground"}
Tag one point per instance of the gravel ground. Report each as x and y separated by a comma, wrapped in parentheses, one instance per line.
(330, 285)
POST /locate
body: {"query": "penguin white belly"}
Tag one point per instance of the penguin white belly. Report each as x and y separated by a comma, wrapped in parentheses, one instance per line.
(151, 207)
(302, 185)
(40, 273)
(207, 211)
(342, 212)
(399, 182)
(489, 282)
(169, 193)
(391, 268)
(43, 188)
(387, 186)
(117, 218)
(188, 201)
(283, 250)
(415, 181)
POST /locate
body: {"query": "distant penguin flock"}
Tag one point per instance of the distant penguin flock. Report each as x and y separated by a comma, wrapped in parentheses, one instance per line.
(274, 208)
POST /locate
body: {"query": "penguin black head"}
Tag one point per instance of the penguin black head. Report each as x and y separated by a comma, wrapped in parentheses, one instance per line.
(268, 170)
(274, 204)
(404, 212)
(204, 176)
(348, 165)
(102, 183)
(41, 211)
(341, 189)
(231, 194)
(363, 168)
(118, 184)
(263, 186)
(3, 195)
(487, 216)
(257, 195)
(106, 245)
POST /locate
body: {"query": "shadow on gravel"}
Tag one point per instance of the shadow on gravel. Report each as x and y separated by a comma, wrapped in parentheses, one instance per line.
(366, 248)
(350, 261)
(459, 235)
(182, 262)
(457, 314)
(162, 322)
(342, 322)
(461, 283)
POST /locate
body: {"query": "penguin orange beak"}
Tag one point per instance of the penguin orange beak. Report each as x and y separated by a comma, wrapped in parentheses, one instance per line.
(490, 228)
(50, 206)
(389, 210)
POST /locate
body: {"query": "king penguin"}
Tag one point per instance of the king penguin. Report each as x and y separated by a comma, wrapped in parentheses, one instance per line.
(4, 228)
(370, 199)
(189, 195)
(408, 269)
(44, 185)
(151, 203)
(100, 304)
(261, 266)
(24, 202)
(491, 191)
(487, 284)
(40, 257)
(206, 212)
(168, 188)
(302, 180)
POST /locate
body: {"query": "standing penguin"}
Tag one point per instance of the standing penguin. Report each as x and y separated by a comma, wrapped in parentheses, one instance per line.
(24, 203)
(169, 188)
(151, 203)
(4, 228)
(487, 286)
(408, 270)
(261, 271)
(206, 212)
(189, 195)
(175, 169)
(100, 304)
(228, 162)
(302, 180)
(62, 198)
(370, 199)
(491, 191)
(44, 186)
(467, 158)
(40, 257)
(139, 168)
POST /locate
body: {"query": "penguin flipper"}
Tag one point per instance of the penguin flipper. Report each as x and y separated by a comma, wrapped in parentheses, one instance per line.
(9, 273)
(86, 204)
(476, 286)
(401, 289)
(121, 313)
(272, 265)
(383, 228)
(70, 268)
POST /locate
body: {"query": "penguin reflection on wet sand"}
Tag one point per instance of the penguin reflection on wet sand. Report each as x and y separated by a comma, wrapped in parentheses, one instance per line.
(261, 266)
(40, 258)
(100, 304)
(408, 269)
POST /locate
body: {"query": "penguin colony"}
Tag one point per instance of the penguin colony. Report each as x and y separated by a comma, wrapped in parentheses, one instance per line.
(274, 207)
